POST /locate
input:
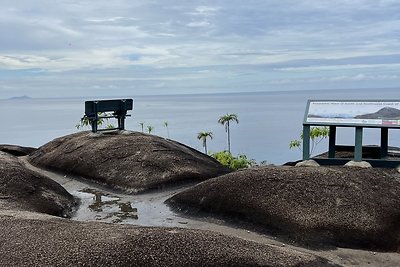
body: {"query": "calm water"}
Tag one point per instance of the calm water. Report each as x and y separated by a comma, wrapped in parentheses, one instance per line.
(267, 121)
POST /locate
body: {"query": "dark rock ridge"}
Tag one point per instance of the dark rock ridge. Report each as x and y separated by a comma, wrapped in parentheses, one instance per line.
(69, 243)
(130, 161)
(24, 189)
(384, 113)
(336, 205)
(17, 150)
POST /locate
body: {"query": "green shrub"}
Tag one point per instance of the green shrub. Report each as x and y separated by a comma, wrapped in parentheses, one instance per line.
(317, 134)
(85, 121)
(234, 163)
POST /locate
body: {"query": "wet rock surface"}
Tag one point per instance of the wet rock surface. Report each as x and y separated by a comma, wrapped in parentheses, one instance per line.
(39, 241)
(23, 189)
(17, 150)
(349, 207)
(130, 161)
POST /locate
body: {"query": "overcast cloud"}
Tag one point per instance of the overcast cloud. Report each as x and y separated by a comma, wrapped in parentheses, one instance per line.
(102, 48)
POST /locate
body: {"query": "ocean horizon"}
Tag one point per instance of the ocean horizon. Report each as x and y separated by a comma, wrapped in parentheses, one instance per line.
(268, 121)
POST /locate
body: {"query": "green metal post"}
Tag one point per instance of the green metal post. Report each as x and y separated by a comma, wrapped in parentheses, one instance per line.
(384, 142)
(332, 142)
(306, 142)
(358, 144)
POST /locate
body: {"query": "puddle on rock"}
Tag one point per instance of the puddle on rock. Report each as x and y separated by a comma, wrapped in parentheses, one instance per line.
(149, 209)
(98, 205)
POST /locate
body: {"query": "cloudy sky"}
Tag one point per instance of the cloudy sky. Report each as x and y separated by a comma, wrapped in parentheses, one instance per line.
(103, 48)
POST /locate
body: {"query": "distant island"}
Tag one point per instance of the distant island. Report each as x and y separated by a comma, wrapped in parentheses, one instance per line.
(333, 116)
(386, 113)
(383, 113)
(19, 97)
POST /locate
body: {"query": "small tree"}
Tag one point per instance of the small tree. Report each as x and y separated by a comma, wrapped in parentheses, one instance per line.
(203, 136)
(141, 125)
(224, 120)
(166, 126)
(317, 134)
(150, 129)
(85, 121)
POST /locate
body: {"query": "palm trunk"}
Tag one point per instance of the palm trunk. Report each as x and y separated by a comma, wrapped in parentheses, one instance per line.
(229, 139)
(205, 144)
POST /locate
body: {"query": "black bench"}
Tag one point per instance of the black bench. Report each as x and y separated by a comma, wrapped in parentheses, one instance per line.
(118, 107)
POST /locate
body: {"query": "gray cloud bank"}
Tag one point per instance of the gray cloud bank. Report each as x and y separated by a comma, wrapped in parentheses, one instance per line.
(72, 48)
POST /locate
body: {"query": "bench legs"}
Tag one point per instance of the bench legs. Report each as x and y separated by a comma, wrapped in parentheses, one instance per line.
(121, 123)
(93, 123)
(120, 119)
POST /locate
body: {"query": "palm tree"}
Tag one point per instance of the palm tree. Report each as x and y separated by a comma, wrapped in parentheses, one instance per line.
(203, 136)
(141, 125)
(224, 120)
(150, 129)
(166, 126)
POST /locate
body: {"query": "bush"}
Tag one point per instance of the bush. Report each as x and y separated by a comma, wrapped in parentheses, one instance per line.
(317, 134)
(85, 121)
(234, 163)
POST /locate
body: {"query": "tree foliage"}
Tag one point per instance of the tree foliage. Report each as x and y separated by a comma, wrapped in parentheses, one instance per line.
(166, 126)
(225, 120)
(142, 126)
(150, 129)
(317, 134)
(232, 162)
(85, 121)
(203, 136)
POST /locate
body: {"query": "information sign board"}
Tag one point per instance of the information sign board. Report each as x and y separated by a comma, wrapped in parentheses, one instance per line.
(353, 113)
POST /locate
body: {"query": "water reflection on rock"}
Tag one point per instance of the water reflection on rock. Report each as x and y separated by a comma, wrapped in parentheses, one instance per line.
(105, 207)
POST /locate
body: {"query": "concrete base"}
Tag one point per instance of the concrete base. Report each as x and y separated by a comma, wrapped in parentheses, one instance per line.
(307, 163)
(358, 164)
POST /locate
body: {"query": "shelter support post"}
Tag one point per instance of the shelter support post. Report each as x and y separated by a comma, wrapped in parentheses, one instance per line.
(332, 142)
(384, 142)
(358, 144)
(306, 142)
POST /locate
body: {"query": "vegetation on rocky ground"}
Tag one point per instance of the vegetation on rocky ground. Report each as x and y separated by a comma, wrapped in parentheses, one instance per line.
(232, 162)
(85, 122)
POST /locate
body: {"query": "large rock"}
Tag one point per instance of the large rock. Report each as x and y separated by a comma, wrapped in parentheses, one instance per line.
(17, 150)
(337, 205)
(24, 189)
(29, 240)
(130, 161)
(358, 164)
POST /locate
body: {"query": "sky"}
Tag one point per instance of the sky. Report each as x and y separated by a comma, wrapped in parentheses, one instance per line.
(102, 48)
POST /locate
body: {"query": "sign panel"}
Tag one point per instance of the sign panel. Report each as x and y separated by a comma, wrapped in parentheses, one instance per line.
(353, 113)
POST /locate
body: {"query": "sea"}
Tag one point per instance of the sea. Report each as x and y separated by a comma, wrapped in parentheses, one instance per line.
(268, 121)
